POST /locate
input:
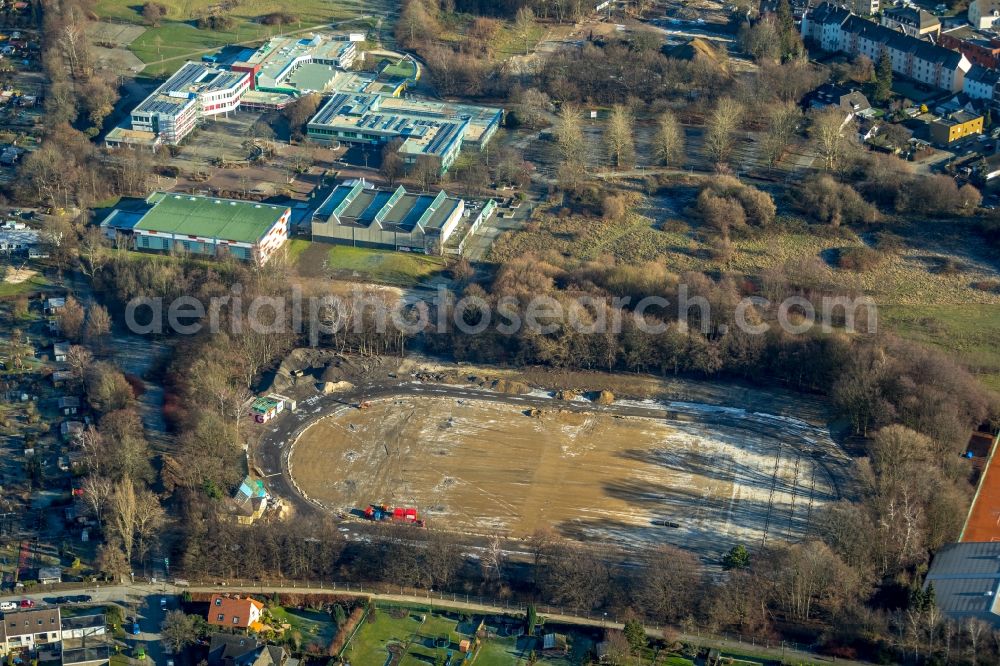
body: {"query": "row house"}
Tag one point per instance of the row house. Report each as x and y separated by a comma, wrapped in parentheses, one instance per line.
(836, 29)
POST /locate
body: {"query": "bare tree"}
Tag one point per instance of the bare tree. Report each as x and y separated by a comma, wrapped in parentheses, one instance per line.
(782, 121)
(123, 512)
(96, 493)
(427, 171)
(71, 319)
(719, 132)
(493, 559)
(570, 143)
(974, 629)
(618, 137)
(668, 143)
(524, 25)
(833, 136)
(149, 518)
(533, 105)
(179, 629)
(98, 323)
(392, 166)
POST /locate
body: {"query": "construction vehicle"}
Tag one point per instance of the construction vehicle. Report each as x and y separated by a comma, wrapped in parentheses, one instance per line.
(382, 513)
(364, 405)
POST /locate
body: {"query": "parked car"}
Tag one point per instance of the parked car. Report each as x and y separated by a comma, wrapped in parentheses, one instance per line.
(163, 603)
(8, 605)
(135, 629)
(82, 598)
(27, 603)
(140, 652)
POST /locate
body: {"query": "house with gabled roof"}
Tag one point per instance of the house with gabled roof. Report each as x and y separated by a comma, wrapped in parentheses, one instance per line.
(833, 28)
(235, 611)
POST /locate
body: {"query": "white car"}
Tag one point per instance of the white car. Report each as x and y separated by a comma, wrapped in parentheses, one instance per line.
(8, 605)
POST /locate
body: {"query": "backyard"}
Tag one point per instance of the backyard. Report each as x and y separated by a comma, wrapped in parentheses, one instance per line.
(413, 634)
(314, 627)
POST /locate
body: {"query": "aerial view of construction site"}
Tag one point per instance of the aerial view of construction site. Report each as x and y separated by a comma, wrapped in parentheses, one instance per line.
(597, 470)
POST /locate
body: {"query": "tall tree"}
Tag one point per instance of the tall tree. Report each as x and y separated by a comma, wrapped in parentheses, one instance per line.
(618, 137)
(524, 25)
(392, 166)
(570, 143)
(883, 76)
(782, 120)
(98, 323)
(71, 319)
(833, 136)
(722, 125)
(179, 629)
(668, 143)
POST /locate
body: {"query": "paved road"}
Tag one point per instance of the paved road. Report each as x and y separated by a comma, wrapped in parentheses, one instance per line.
(147, 596)
(271, 454)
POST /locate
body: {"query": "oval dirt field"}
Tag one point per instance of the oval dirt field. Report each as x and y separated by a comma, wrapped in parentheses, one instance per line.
(479, 467)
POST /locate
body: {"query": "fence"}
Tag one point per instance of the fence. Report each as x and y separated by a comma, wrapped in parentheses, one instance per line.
(423, 599)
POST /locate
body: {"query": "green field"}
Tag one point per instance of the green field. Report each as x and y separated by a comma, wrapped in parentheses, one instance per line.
(165, 48)
(383, 266)
(970, 333)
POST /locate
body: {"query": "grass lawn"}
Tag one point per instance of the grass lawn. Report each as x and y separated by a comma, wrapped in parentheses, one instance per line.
(369, 647)
(384, 266)
(295, 248)
(503, 652)
(674, 660)
(314, 626)
(970, 333)
(34, 283)
(509, 42)
(177, 38)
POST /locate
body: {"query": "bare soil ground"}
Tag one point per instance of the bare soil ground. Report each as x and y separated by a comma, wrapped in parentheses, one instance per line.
(479, 467)
(19, 275)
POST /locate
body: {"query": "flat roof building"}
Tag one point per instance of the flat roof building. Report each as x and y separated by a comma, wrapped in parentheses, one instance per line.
(197, 90)
(293, 65)
(436, 129)
(206, 226)
(360, 215)
(954, 127)
(966, 580)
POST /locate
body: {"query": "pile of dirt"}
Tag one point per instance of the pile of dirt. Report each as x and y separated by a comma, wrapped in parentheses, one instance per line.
(501, 385)
(334, 387)
(306, 364)
(605, 398)
(509, 387)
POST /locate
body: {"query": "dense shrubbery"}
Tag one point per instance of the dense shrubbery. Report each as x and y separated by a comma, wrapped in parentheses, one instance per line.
(825, 200)
(217, 22)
